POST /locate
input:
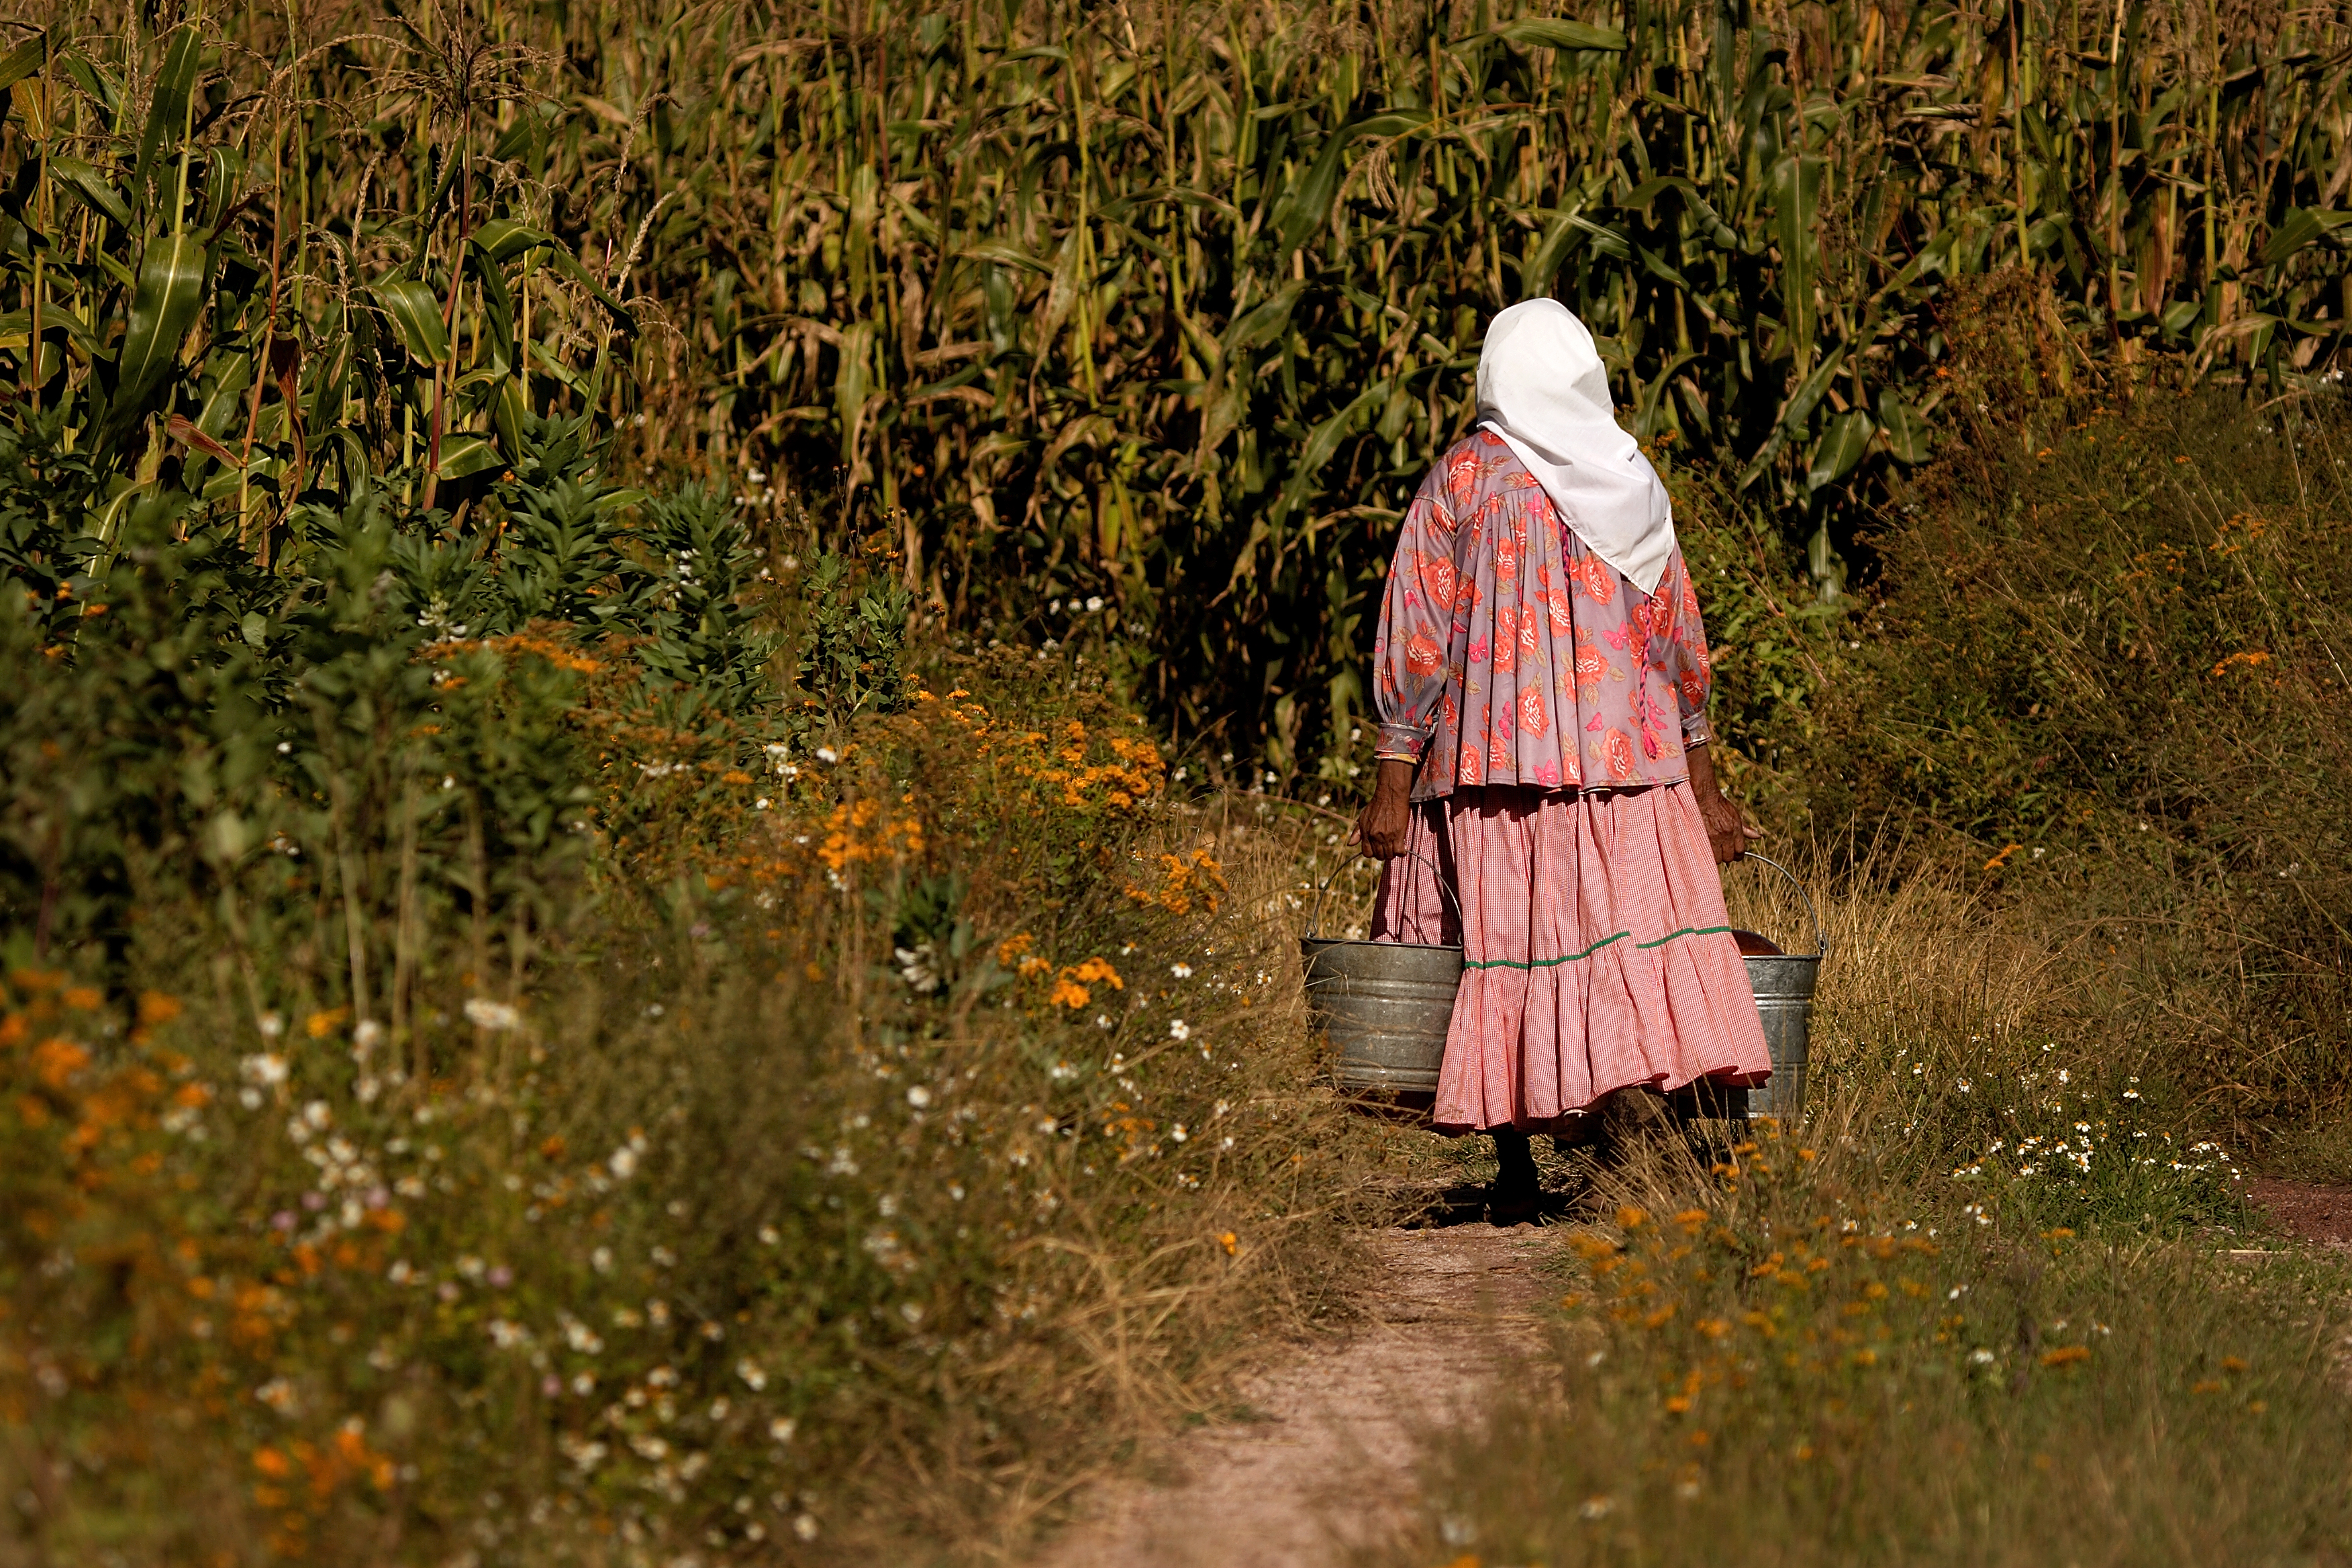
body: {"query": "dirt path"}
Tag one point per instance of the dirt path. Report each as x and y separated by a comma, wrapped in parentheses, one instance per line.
(1326, 1467)
(2311, 1211)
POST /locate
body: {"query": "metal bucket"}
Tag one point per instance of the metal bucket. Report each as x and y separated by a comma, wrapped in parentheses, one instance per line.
(1783, 983)
(1386, 1006)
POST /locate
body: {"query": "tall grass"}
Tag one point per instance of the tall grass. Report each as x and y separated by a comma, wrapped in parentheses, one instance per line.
(1167, 306)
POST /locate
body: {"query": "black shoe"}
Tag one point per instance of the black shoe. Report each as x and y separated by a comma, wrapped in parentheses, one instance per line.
(1517, 1190)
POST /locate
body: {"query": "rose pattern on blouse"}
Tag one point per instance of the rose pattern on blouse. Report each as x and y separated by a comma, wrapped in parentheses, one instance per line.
(1510, 654)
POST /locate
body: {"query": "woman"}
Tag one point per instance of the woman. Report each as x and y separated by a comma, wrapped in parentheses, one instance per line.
(1543, 751)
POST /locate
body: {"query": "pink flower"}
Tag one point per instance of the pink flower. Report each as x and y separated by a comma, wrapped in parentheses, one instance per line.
(1533, 719)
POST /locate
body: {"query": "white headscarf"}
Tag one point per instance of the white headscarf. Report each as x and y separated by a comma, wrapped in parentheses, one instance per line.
(1541, 388)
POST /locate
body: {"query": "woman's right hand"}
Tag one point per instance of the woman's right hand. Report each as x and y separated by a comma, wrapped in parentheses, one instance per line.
(1386, 820)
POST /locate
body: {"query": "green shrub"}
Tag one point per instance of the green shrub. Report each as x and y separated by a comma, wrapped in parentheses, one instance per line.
(2102, 666)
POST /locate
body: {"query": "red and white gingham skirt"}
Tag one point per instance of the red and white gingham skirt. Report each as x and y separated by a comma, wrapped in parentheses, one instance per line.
(1596, 950)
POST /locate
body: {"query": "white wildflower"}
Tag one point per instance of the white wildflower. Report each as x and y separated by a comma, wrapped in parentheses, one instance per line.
(485, 1013)
(919, 967)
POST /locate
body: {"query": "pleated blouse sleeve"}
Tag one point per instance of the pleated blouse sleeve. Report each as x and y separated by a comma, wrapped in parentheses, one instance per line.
(1416, 631)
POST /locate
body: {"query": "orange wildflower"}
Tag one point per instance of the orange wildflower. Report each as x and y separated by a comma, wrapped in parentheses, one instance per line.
(57, 1060)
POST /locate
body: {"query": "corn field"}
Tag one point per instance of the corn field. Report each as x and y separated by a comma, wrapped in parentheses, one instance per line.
(1159, 307)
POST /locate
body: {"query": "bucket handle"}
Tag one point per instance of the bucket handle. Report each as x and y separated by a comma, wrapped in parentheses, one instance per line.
(1820, 933)
(1315, 919)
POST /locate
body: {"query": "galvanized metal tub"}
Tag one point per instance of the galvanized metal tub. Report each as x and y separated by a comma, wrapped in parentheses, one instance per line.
(1783, 983)
(1386, 1007)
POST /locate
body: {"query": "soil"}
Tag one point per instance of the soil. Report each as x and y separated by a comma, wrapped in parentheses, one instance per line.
(2309, 1211)
(1320, 1467)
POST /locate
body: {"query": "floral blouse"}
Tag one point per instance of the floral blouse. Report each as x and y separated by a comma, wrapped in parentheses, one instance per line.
(1510, 654)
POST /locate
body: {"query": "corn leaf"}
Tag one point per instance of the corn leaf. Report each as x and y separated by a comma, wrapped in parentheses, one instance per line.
(86, 184)
(1545, 32)
(416, 313)
(1905, 431)
(189, 434)
(102, 87)
(167, 112)
(169, 297)
(1842, 447)
(465, 455)
(1306, 204)
(503, 239)
(2304, 226)
(24, 59)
